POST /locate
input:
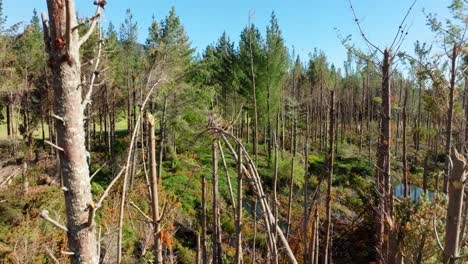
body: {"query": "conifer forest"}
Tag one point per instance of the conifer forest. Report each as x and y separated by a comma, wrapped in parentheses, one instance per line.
(117, 149)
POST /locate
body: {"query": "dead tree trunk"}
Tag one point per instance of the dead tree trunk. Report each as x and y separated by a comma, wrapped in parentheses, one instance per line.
(154, 192)
(405, 165)
(203, 216)
(217, 242)
(383, 163)
(239, 208)
(449, 125)
(331, 131)
(306, 190)
(291, 182)
(252, 72)
(456, 188)
(63, 43)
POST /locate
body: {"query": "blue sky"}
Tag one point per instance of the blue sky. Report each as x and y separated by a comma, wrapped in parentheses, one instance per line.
(306, 24)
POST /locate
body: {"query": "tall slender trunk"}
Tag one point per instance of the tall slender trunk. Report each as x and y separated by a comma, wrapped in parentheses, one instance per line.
(217, 250)
(254, 246)
(326, 247)
(154, 192)
(162, 137)
(448, 135)
(252, 72)
(405, 165)
(306, 190)
(204, 226)
(8, 116)
(291, 182)
(383, 164)
(239, 259)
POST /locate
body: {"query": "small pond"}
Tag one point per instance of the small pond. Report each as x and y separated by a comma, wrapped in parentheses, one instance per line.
(415, 192)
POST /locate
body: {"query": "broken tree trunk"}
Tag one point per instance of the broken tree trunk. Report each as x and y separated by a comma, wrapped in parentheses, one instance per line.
(456, 188)
(383, 215)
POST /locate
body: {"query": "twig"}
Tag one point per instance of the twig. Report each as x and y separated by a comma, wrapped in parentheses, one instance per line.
(437, 235)
(45, 214)
(51, 255)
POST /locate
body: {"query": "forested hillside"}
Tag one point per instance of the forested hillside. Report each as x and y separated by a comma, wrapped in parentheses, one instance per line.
(115, 150)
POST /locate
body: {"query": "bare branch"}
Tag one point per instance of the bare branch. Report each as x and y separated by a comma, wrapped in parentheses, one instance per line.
(360, 29)
(400, 28)
(87, 98)
(53, 145)
(58, 117)
(106, 192)
(98, 170)
(94, 20)
(45, 214)
(141, 212)
(45, 26)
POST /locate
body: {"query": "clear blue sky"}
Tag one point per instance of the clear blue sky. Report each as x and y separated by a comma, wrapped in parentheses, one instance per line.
(306, 24)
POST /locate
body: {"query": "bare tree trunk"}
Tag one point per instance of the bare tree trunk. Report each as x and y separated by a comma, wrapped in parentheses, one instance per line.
(448, 135)
(8, 116)
(383, 163)
(456, 189)
(239, 259)
(198, 250)
(217, 242)
(254, 246)
(331, 137)
(405, 165)
(306, 190)
(291, 182)
(162, 135)
(255, 130)
(62, 44)
(204, 227)
(154, 192)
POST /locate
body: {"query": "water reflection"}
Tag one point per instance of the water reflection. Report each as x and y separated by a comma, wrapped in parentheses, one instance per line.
(415, 192)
